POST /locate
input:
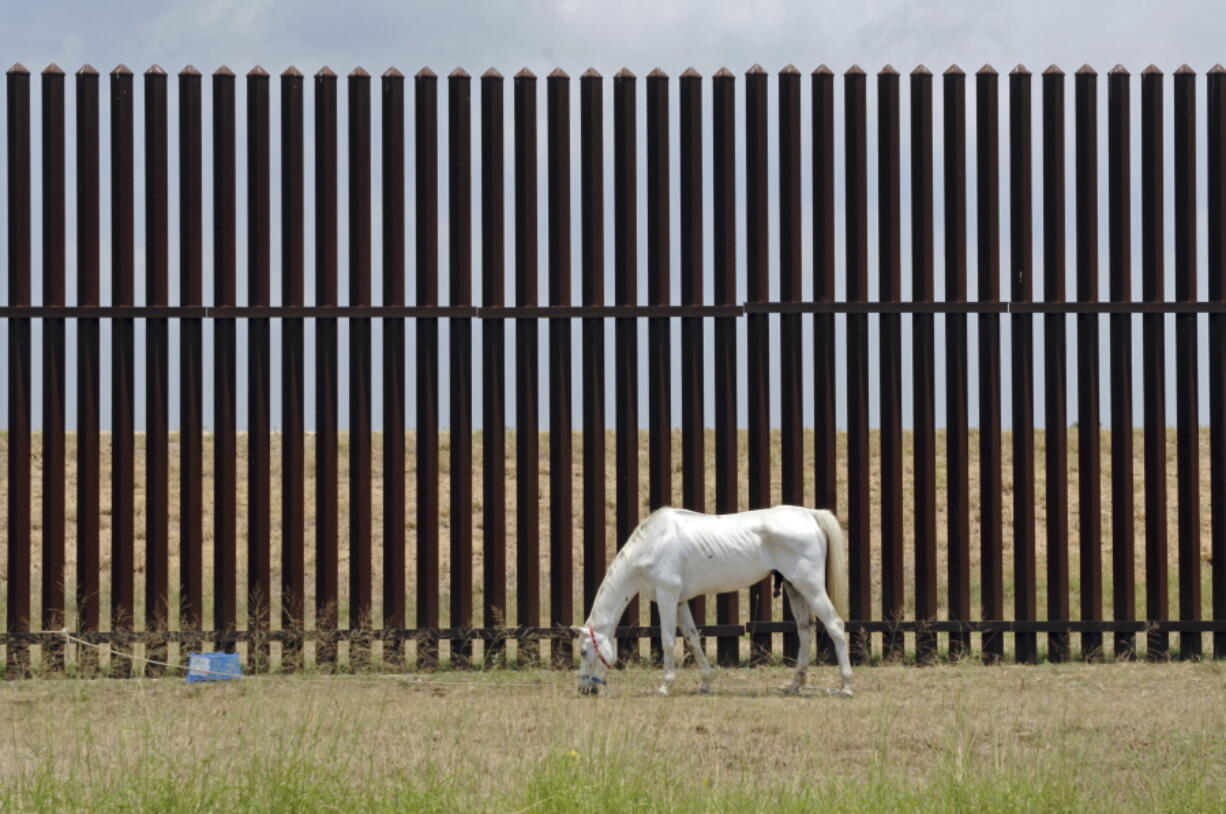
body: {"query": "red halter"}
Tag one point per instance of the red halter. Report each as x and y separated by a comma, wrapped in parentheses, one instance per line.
(596, 644)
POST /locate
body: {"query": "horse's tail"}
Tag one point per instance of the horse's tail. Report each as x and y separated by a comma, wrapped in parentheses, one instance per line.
(836, 559)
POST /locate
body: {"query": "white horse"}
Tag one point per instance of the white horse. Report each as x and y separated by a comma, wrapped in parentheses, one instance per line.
(675, 554)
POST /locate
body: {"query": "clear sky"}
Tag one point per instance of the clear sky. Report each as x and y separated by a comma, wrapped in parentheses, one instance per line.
(608, 36)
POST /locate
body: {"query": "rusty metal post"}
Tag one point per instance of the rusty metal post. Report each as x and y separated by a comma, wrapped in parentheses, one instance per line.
(327, 509)
(259, 372)
(1215, 183)
(693, 435)
(54, 370)
(293, 372)
(225, 372)
(791, 388)
(889, 262)
(459, 198)
(561, 512)
(89, 366)
(191, 358)
(858, 506)
(493, 370)
(924, 361)
(157, 366)
(591, 217)
(1089, 464)
(723, 250)
(1021, 271)
(1055, 361)
(425, 117)
(527, 373)
(757, 285)
(957, 452)
(1119, 243)
(625, 276)
(123, 366)
(361, 374)
(991, 516)
(394, 515)
(825, 389)
(1186, 363)
(659, 330)
(17, 607)
(1153, 363)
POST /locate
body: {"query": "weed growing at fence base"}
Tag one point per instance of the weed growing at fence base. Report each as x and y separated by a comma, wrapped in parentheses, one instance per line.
(1118, 738)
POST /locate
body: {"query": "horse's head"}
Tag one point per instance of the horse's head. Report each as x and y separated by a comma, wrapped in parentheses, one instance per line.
(597, 655)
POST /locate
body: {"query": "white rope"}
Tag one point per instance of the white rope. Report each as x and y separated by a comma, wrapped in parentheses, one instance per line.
(133, 657)
(415, 681)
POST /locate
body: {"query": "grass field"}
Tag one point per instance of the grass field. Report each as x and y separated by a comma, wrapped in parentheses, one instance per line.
(1116, 738)
(610, 542)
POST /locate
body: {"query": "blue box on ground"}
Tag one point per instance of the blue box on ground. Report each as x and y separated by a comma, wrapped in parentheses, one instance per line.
(213, 667)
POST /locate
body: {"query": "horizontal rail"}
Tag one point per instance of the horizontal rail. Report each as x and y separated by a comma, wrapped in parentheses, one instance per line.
(119, 637)
(593, 311)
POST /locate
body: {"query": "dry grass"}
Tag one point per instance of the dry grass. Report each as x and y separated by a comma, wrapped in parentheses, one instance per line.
(610, 543)
(1116, 738)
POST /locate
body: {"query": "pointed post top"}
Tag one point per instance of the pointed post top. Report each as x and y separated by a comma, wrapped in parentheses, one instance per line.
(492, 73)
(789, 70)
(591, 73)
(986, 70)
(921, 70)
(524, 73)
(1217, 69)
(426, 73)
(1152, 70)
(293, 72)
(325, 73)
(359, 73)
(118, 70)
(657, 73)
(257, 72)
(1086, 70)
(459, 73)
(822, 70)
(888, 70)
(393, 73)
(155, 70)
(1053, 70)
(558, 73)
(1184, 70)
(723, 73)
(53, 70)
(690, 73)
(955, 70)
(223, 71)
(624, 73)
(854, 70)
(1118, 70)
(755, 69)
(1020, 70)
(18, 68)
(189, 70)
(90, 70)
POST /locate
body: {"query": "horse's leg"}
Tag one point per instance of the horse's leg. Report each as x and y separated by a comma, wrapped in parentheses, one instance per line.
(668, 637)
(690, 630)
(825, 611)
(804, 629)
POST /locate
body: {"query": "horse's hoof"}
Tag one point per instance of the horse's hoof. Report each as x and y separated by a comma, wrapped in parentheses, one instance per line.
(844, 692)
(663, 691)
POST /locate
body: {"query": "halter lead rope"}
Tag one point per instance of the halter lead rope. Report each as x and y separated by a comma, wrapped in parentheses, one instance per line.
(596, 644)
